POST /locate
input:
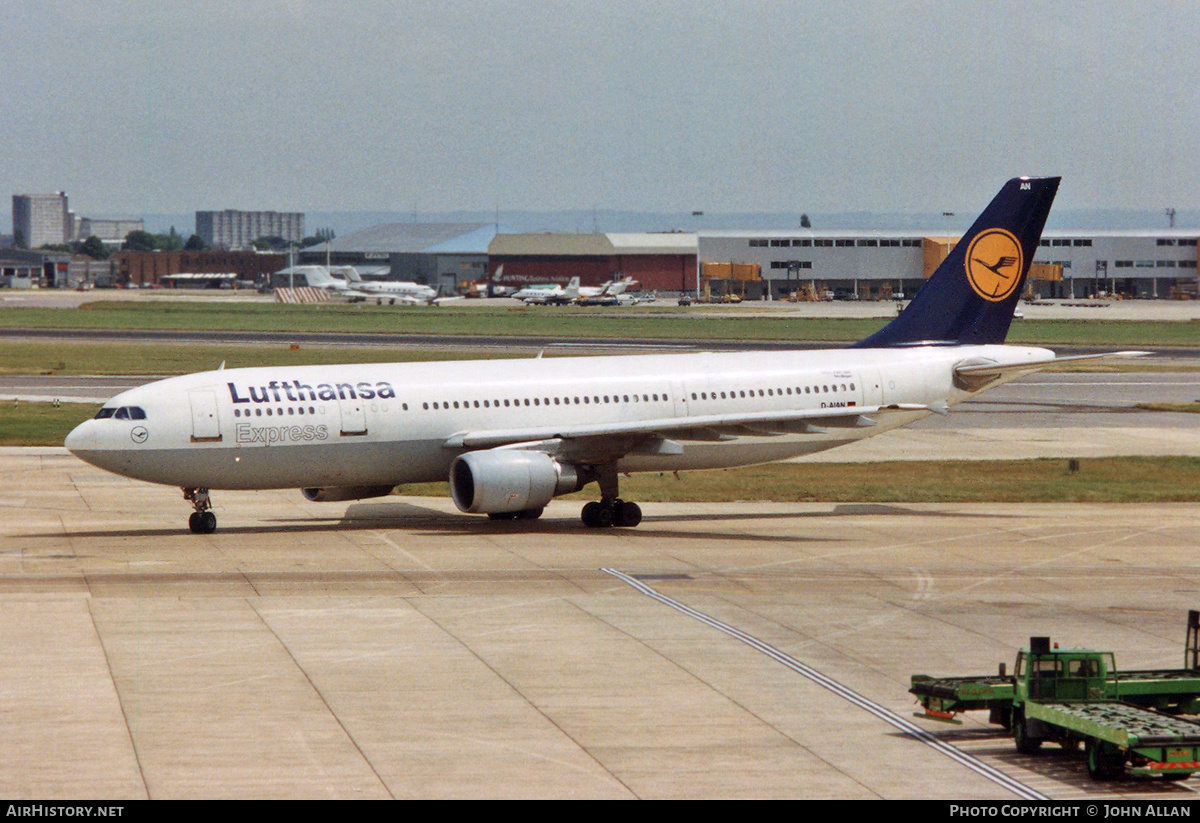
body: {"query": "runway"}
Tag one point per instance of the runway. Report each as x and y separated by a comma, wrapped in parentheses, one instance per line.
(401, 649)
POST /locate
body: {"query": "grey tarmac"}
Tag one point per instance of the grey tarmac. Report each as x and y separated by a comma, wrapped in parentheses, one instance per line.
(397, 648)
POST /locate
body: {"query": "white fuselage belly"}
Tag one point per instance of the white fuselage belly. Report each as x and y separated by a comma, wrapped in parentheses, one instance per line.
(379, 424)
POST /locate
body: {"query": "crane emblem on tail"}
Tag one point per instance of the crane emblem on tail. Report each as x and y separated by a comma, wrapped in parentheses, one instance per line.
(994, 263)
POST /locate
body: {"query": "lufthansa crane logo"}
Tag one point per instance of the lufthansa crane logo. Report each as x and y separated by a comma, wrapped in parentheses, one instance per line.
(994, 264)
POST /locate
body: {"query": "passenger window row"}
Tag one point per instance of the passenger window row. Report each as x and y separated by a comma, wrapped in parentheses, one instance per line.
(825, 388)
(577, 400)
(279, 412)
(290, 410)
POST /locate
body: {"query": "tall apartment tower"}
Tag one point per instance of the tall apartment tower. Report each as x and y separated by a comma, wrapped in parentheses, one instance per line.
(39, 219)
(232, 229)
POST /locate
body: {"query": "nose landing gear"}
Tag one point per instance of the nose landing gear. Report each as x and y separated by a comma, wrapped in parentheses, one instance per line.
(202, 521)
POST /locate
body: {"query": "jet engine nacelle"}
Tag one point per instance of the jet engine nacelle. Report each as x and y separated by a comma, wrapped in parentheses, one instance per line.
(499, 481)
(334, 494)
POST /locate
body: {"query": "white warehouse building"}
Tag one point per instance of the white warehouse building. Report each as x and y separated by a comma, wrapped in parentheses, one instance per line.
(868, 264)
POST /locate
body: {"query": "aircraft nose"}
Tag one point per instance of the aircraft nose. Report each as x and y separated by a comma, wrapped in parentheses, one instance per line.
(82, 438)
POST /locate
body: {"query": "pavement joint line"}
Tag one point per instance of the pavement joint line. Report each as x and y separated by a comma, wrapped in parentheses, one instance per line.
(881, 712)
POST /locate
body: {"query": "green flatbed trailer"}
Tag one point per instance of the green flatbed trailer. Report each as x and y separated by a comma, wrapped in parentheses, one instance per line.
(1077, 696)
(1174, 691)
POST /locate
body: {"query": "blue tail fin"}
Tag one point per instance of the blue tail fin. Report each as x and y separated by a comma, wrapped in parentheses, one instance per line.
(971, 296)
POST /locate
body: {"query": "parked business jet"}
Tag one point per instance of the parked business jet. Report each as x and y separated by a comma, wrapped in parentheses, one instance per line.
(554, 294)
(511, 435)
(395, 291)
(538, 290)
(572, 293)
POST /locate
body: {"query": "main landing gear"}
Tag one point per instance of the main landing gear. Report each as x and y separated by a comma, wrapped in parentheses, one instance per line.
(202, 521)
(610, 510)
(605, 513)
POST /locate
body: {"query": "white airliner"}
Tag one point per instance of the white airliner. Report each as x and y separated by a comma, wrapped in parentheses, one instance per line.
(510, 435)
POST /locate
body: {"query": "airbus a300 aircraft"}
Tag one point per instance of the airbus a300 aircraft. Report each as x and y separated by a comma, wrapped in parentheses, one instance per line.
(511, 435)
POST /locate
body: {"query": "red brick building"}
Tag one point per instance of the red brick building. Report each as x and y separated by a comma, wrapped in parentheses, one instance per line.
(148, 268)
(665, 262)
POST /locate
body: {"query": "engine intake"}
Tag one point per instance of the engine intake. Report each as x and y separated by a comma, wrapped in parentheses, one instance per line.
(499, 481)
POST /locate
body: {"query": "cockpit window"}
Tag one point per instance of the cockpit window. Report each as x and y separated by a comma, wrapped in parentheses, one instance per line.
(123, 413)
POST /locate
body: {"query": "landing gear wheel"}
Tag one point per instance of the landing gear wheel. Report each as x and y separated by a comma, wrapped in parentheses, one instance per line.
(602, 515)
(590, 514)
(627, 514)
(611, 510)
(202, 520)
(202, 523)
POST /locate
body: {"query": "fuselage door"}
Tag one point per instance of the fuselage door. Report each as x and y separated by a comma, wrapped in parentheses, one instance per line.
(206, 425)
(872, 387)
(354, 417)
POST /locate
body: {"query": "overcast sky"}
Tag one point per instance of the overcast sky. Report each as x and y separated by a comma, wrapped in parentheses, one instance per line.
(162, 106)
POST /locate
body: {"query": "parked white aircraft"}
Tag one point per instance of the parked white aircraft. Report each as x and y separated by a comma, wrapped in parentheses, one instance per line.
(345, 281)
(574, 293)
(395, 290)
(539, 290)
(510, 435)
(548, 295)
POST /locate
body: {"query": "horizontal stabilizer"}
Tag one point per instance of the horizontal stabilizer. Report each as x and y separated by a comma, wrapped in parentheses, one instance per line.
(973, 375)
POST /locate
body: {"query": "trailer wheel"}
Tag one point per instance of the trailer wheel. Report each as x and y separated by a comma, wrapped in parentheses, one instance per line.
(1103, 764)
(1025, 743)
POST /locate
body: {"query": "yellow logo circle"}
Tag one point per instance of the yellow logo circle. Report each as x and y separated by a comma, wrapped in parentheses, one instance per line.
(994, 264)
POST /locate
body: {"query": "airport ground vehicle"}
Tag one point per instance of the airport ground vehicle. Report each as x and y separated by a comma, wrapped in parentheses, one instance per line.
(1078, 697)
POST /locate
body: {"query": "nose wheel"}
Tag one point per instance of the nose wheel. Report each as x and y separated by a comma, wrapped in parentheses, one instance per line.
(202, 520)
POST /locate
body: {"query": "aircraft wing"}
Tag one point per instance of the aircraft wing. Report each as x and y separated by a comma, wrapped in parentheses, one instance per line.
(976, 374)
(606, 441)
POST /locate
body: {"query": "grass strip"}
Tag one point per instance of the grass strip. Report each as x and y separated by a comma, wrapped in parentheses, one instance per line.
(658, 323)
(37, 357)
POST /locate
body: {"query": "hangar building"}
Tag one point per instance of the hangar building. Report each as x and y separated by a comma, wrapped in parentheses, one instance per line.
(436, 254)
(664, 261)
